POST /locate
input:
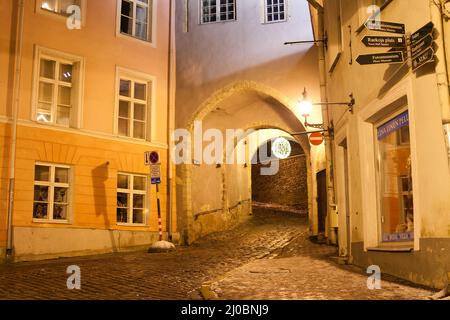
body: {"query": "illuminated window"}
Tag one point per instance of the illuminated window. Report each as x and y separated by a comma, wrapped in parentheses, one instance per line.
(275, 10)
(131, 198)
(136, 18)
(56, 91)
(218, 10)
(51, 192)
(395, 179)
(58, 6)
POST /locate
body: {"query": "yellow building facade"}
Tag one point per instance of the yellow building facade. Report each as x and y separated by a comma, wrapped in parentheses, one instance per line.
(84, 93)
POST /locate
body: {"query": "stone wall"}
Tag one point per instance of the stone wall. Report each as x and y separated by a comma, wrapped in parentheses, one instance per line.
(289, 187)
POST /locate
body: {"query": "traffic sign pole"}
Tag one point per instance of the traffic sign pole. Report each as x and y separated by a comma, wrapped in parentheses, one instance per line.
(158, 203)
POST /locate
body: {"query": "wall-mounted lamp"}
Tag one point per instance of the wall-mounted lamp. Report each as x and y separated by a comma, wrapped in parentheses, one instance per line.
(306, 106)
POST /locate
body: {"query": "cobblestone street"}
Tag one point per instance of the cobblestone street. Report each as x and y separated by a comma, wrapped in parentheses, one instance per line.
(269, 257)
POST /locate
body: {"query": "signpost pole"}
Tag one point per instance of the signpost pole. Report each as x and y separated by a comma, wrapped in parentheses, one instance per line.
(158, 203)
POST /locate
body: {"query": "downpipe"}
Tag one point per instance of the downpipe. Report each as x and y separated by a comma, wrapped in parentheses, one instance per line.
(331, 231)
(440, 16)
(15, 112)
(170, 115)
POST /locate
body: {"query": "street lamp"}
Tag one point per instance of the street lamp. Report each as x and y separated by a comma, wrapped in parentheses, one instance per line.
(305, 107)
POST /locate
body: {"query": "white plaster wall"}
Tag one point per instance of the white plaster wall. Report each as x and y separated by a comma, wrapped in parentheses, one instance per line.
(371, 87)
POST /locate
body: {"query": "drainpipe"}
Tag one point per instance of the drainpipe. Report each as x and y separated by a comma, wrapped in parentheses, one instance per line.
(326, 116)
(15, 113)
(440, 15)
(170, 112)
(440, 20)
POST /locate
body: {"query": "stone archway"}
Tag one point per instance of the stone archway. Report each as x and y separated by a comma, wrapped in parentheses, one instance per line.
(279, 113)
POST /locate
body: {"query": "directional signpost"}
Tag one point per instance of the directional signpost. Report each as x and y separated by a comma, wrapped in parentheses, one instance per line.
(422, 46)
(378, 58)
(384, 42)
(422, 32)
(423, 58)
(384, 26)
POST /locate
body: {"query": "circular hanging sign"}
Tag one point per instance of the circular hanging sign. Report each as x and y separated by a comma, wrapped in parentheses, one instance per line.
(281, 148)
(316, 138)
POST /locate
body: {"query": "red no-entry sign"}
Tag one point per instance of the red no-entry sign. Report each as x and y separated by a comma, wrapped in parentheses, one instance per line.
(316, 138)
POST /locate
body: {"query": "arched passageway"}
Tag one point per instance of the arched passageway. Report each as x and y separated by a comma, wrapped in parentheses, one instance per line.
(214, 196)
(287, 189)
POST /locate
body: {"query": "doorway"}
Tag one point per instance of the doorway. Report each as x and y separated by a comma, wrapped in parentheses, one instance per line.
(322, 200)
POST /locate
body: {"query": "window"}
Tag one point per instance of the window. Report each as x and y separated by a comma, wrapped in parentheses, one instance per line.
(275, 10)
(395, 179)
(132, 108)
(51, 192)
(136, 18)
(218, 10)
(131, 198)
(57, 96)
(58, 6)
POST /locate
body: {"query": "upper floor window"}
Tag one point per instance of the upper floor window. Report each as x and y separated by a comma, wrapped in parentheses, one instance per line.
(57, 96)
(136, 18)
(275, 10)
(218, 10)
(134, 97)
(58, 6)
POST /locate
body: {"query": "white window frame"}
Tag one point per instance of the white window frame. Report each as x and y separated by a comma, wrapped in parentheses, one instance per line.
(265, 7)
(367, 119)
(379, 179)
(51, 184)
(152, 23)
(218, 19)
(130, 192)
(78, 65)
(134, 76)
(58, 15)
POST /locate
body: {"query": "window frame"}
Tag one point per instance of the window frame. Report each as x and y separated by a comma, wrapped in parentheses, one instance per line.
(201, 21)
(265, 13)
(77, 86)
(379, 179)
(151, 23)
(131, 192)
(51, 184)
(150, 81)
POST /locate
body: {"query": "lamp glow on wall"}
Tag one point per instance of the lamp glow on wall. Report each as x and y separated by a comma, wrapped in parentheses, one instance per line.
(306, 107)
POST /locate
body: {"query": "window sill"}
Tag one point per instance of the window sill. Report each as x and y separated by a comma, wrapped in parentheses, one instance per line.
(45, 221)
(397, 248)
(136, 39)
(216, 22)
(274, 22)
(132, 224)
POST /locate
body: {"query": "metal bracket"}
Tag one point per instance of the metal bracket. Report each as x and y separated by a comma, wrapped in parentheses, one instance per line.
(324, 41)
